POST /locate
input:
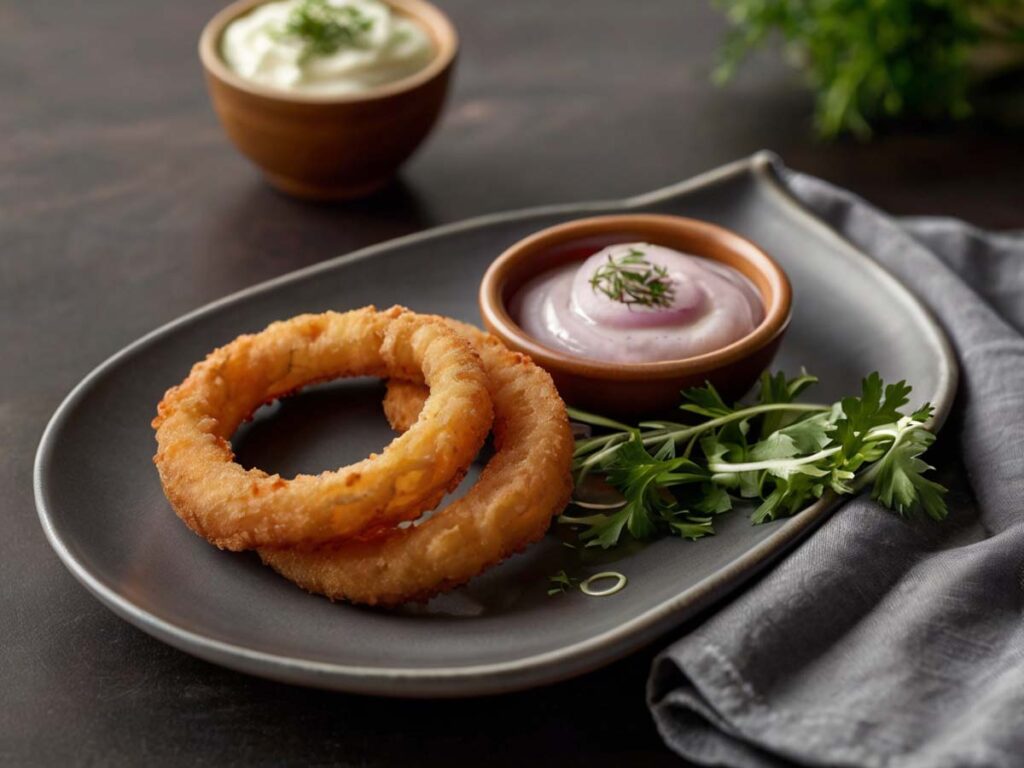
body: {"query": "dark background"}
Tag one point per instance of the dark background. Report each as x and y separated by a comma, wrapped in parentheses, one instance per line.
(123, 206)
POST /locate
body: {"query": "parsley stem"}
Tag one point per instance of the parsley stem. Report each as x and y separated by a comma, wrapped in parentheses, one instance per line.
(585, 520)
(598, 421)
(882, 433)
(608, 444)
(874, 435)
(656, 436)
(868, 476)
(722, 467)
(603, 453)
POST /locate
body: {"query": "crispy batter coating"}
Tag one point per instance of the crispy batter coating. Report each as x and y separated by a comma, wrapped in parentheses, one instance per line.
(236, 508)
(522, 487)
(403, 402)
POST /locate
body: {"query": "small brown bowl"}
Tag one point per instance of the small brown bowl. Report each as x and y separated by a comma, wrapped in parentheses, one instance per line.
(330, 147)
(630, 390)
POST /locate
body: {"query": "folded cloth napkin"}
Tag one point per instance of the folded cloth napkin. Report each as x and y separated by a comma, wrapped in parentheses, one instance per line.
(883, 642)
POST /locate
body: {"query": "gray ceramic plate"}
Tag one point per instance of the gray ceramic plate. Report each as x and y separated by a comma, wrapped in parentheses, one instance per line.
(103, 510)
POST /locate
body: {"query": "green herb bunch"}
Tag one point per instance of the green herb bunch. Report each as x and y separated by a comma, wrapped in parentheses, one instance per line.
(877, 59)
(324, 28)
(781, 455)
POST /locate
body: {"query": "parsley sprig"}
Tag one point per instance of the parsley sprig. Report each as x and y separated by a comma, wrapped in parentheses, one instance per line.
(871, 62)
(324, 28)
(631, 279)
(782, 455)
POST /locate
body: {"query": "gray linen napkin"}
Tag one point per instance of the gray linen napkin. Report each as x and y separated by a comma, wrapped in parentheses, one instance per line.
(882, 642)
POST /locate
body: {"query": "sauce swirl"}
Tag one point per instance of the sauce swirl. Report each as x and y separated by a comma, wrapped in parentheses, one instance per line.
(638, 303)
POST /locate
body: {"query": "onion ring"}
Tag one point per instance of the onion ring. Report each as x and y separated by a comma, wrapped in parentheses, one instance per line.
(526, 483)
(236, 508)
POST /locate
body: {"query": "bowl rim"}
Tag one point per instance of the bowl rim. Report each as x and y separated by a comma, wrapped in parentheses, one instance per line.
(497, 317)
(436, 22)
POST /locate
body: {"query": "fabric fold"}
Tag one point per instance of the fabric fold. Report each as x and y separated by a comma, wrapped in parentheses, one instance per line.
(881, 641)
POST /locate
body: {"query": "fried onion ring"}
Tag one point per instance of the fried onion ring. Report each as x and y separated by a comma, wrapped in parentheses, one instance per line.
(523, 486)
(236, 508)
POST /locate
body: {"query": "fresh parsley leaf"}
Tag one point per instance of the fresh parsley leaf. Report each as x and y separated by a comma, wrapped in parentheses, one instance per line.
(645, 482)
(705, 401)
(900, 483)
(714, 500)
(807, 436)
(877, 406)
(791, 492)
(779, 389)
(923, 413)
(872, 408)
(692, 528)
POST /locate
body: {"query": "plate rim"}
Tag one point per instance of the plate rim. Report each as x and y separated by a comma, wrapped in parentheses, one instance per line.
(533, 669)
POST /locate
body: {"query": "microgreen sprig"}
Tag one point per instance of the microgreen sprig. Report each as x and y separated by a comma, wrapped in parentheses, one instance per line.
(631, 279)
(782, 455)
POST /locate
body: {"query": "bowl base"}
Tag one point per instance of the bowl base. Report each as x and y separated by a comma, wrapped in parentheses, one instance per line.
(325, 192)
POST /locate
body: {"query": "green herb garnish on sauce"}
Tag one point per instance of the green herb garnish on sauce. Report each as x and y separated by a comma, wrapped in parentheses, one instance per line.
(324, 28)
(632, 280)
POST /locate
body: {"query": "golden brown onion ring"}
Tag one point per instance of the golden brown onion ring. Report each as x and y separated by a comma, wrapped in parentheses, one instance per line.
(523, 486)
(236, 508)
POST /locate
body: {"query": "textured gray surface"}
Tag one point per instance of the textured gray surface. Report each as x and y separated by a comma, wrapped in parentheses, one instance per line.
(106, 514)
(880, 642)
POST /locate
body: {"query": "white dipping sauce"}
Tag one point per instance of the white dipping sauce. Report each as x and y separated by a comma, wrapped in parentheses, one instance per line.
(706, 306)
(384, 47)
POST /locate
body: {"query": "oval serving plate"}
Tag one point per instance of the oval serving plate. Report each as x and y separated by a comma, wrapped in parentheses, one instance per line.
(103, 510)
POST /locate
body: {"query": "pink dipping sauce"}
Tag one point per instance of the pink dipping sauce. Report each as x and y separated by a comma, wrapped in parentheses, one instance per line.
(707, 306)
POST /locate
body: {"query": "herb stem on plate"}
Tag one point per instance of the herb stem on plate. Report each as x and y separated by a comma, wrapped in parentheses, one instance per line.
(721, 467)
(659, 432)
